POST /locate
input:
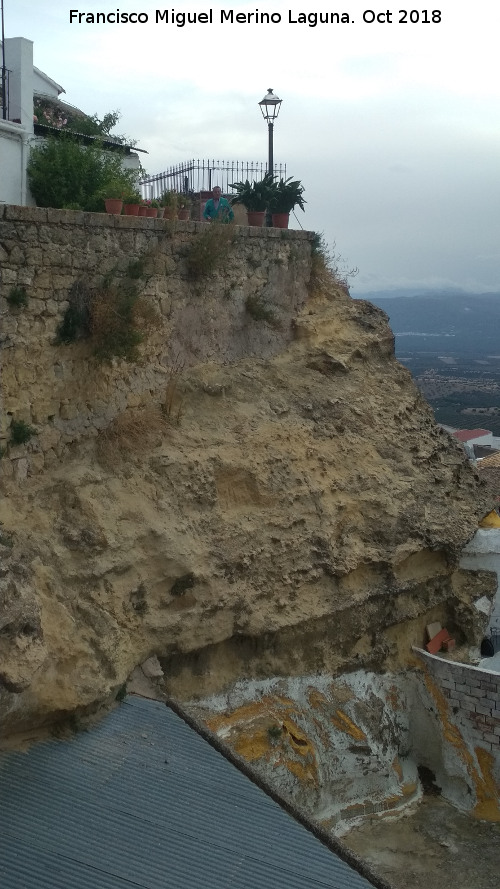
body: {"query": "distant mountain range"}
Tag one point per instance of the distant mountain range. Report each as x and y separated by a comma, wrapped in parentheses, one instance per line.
(442, 322)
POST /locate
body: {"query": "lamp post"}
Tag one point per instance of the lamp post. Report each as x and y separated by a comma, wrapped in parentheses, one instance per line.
(270, 107)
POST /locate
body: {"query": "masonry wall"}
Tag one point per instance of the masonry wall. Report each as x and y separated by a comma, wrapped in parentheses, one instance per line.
(63, 390)
(473, 697)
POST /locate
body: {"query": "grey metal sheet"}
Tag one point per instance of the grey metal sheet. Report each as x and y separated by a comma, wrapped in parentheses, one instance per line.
(143, 801)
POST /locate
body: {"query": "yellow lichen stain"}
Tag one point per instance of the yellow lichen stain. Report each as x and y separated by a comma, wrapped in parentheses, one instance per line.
(246, 714)
(305, 772)
(393, 801)
(344, 724)
(316, 699)
(252, 747)
(396, 765)
(298, 739)
(354, 810)
(409, 789)
(487, 807)
(249, 713)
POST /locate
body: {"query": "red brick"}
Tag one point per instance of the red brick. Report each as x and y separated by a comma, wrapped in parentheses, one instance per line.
(435, 644)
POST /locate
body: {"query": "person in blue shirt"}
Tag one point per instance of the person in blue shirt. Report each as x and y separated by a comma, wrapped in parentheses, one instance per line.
(218, 208)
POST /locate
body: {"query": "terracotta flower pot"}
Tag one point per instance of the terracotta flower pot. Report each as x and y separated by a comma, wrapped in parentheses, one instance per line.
(152, 211)
(256, 217)
(183, 215)
(131, 209)
(143, 210)
(280, 220)
(169, 213)
(113, 205)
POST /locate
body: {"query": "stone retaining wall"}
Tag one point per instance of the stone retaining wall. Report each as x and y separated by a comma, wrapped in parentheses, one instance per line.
(62, 390)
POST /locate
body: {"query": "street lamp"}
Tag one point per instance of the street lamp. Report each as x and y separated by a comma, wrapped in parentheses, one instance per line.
(270, 107)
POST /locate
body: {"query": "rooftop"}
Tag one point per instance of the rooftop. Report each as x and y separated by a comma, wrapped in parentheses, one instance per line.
(142, 800)
(469, 434)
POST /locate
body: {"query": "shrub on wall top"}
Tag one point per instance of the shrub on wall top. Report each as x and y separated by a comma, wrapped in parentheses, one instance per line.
(65, 173)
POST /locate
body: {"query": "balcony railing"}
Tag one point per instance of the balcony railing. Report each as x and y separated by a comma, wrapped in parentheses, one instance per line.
(197, 176)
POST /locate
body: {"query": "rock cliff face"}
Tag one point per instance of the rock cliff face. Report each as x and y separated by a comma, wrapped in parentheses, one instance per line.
(297, 514)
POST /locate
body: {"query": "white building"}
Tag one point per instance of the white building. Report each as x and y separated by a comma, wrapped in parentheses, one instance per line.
(16, 131)
(483, 553)
(17, 128)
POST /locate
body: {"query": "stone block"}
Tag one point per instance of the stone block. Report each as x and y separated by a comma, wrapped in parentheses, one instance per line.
(69, 217)
(8, 276)
(25, 214)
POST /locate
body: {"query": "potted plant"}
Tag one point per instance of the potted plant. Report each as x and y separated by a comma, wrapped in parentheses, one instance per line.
(156, 205)
(131, 203)
(112, 195)
(184, 211)
(285, 196)
(255, 198)
(149, 208)
(169, 201)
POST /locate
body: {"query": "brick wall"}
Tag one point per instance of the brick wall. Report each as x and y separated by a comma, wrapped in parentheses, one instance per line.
(473, 696)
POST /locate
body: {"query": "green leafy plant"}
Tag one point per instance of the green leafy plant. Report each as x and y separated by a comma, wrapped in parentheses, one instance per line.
(114, 317)
(115, 188)
(63, 173)
(254, 196)
(210, 250)
(21, 432)
(170, 199)
(275, 732)
(327, 266)
(286, 195)
(184, 207)
(51, 112)
(17, 297)
(76, 324)
(260, 310)
(119, 322)
(132, 197)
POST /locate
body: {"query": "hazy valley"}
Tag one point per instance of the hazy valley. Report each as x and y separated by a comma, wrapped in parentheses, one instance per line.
(449, 341)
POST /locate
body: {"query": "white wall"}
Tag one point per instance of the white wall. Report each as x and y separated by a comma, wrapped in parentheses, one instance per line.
(483, 552)
(14, 137)
(19, 61)
(13, 158)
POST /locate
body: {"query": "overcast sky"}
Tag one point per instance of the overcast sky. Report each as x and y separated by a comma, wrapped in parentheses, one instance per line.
(393, 128)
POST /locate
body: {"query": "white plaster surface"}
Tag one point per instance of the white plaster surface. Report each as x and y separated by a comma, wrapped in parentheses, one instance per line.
(483, 553)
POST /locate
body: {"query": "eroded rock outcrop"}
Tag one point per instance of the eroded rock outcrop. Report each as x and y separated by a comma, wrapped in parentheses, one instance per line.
(301, 513)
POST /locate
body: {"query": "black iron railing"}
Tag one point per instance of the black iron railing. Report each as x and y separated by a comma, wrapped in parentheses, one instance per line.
(197, 176)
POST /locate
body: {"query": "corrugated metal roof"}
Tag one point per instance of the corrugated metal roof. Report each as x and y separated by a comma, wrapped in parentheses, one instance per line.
(143, 801)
